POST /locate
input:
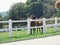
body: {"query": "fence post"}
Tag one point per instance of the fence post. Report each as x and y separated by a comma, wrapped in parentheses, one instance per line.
(56, 24)
(10, 28)
(28, 26)
(44, 27)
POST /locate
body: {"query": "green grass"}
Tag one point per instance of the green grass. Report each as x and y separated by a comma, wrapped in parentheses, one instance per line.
(22, 35)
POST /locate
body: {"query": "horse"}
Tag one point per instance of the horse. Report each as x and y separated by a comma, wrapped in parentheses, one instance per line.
(35, 23)
(40, 23)
(32, 24)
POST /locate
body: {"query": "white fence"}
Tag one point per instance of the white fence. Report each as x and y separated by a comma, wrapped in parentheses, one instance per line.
(10, 29)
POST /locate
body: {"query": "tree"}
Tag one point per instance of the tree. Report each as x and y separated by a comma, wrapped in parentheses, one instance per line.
(30, 1)
(41, 8)
(1, 20)
(35, 7)
(48, 8)
(17, 11)
(57, 14)
(6, 17)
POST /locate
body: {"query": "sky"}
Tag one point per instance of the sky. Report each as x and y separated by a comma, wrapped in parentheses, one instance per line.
(6, 4)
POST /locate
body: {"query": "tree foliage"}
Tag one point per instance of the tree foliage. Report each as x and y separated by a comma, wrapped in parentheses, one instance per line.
(35, 7)
(49, 9)
(1, 18)
(17, 11)
(39, 8)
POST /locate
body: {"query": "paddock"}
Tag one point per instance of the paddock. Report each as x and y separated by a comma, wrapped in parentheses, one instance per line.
(46, 24)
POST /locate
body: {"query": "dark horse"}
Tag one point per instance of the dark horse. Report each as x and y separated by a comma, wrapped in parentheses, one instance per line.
(35, 23)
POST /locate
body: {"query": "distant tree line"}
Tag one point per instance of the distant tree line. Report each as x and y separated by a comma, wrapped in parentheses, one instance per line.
(38, 8)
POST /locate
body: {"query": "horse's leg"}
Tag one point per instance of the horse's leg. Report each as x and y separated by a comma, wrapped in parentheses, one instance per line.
(42, 29)
(39, 30)
(30, 31)
(34, 30)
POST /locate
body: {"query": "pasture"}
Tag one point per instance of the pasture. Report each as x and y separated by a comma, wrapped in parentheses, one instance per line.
(11, 33)
(22, 35)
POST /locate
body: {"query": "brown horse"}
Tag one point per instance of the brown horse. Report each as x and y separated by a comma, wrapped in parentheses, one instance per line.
(35, 23)
(32, 24)
(40, 23)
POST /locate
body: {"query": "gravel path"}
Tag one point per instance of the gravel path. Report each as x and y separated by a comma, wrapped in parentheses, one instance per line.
(54, 40)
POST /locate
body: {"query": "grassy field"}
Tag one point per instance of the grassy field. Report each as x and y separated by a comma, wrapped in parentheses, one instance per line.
(22, 35)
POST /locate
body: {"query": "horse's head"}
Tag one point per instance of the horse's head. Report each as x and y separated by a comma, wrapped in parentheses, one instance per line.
(39, 23)
(32, 16)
